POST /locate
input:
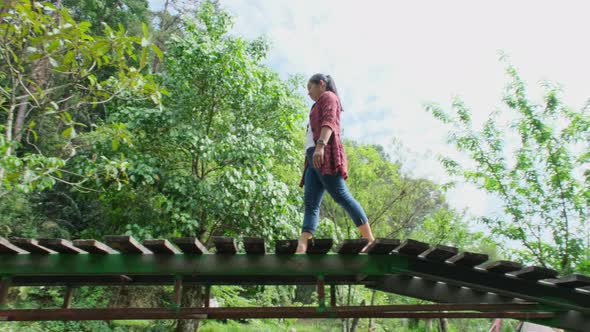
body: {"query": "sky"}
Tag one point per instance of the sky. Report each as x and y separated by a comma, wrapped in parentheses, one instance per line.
(389, 58)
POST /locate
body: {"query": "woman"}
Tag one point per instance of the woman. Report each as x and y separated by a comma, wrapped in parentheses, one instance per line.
(325, 162)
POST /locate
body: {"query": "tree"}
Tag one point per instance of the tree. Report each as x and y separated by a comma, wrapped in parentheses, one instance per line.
(131, 14)
(210, 149)
(47, 67)
(541, 177)
(208, 161)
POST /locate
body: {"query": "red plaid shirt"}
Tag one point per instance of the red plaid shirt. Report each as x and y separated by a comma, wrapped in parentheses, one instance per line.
(326, 112)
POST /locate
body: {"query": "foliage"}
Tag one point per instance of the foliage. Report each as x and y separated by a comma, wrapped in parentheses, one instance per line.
(536, 165)
(48, 63)
(131, 14)
(200, 139)
(204, 160)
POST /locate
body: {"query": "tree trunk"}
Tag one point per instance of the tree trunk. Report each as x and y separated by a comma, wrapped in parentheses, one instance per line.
(443, 324)
(8, 137)
(372, 320)
(40, 75)
(346, 321)
(20, 120)
(356, 321)
(429, 325)
(192, 297)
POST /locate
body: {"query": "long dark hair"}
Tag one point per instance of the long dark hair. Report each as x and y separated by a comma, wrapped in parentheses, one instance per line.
(330, 84)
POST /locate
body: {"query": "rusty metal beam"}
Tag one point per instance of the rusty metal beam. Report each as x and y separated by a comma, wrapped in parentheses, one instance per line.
(333, 295)
(321, 292)
(207, 296)
(400, 311)
(68, 297)
(4, 286)
(178, 290)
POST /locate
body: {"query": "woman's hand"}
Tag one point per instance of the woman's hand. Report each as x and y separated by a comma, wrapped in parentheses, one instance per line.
(318, 156)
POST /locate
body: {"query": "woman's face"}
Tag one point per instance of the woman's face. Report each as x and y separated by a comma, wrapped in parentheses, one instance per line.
(315, 90)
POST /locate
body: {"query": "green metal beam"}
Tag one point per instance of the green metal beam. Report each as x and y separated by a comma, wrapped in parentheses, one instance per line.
(500, 284)
(244, 265)
(186, 264)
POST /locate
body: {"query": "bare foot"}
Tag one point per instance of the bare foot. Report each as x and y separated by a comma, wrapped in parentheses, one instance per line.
(301, 248)
(366, 248)
(302, 243)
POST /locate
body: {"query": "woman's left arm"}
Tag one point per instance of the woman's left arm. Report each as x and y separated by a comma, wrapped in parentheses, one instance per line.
(329, 123)
(318, 154)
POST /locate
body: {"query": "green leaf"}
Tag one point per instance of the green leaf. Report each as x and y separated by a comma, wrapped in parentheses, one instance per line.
(146, 32)
(67, 133)
(115, 144)
(158, 52)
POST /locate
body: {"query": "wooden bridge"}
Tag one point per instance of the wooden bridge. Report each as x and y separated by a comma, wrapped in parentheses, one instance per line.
(461, 284)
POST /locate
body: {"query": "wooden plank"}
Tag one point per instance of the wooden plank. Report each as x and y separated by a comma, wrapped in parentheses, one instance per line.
(94, 247)
(30, 245)
(468, 259)
(60, 245)
(534, 273)
(439, 253)
(319, 246)
(126, 244)
(351, 246)
(8, 248)
(190, 245)
(500, 267)
(225, 245)
(412, 247)
(254, 245)
(161, 246)
(382, 246)
(286, 247)
(573, 281)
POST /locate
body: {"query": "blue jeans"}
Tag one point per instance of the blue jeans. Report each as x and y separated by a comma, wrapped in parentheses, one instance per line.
(315, 186)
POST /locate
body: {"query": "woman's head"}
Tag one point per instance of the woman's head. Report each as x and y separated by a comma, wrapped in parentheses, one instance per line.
(320, 83)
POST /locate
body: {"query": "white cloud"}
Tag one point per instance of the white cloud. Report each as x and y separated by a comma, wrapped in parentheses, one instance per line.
(400, 54)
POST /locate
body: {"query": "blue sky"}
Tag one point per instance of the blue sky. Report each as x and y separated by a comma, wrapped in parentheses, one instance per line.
(390, 57)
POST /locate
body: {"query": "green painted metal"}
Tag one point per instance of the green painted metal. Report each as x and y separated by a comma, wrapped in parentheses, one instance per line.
(552, 299)
(570, 321)
(187, 264)
(321, 294)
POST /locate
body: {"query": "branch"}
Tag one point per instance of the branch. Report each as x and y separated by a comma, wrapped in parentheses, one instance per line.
(76, 185)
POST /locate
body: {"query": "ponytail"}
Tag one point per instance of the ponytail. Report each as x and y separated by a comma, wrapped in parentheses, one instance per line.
(330, 84)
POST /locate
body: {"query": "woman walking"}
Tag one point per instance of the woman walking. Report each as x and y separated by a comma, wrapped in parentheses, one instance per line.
(325, 162)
